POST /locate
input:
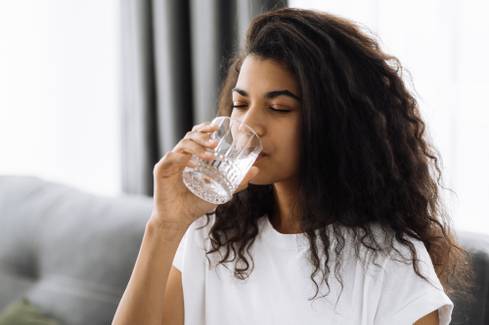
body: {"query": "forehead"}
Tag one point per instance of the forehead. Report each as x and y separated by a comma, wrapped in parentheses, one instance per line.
(263, 74)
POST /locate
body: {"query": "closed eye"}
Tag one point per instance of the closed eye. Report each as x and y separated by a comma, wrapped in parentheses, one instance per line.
(271, 108)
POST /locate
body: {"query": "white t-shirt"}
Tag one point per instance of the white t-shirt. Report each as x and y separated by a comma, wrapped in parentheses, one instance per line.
(279, 287)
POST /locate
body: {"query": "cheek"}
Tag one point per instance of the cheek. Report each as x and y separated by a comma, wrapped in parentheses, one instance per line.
(289, 156)
(286, 156)
(233, 114)
(289, 145)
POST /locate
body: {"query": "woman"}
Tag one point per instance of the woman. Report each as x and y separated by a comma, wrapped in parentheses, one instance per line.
(340, 221)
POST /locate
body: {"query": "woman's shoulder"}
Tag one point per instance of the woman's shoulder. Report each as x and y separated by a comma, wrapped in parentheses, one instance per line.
(199, 230)
(410, 287)
(400, 258)
(378, 245)
(204, 222)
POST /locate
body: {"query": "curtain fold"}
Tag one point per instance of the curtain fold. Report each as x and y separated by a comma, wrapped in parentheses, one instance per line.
(173, 62)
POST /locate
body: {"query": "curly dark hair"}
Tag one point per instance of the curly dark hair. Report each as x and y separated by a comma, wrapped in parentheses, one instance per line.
(363, 156)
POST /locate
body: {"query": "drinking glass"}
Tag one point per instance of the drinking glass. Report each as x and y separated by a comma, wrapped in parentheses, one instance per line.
(238, 147)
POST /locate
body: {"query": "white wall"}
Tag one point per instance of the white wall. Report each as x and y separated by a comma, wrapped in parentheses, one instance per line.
(444, 46)
(59, 75)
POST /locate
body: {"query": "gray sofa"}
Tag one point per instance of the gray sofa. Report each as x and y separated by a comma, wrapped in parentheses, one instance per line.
(71, 253)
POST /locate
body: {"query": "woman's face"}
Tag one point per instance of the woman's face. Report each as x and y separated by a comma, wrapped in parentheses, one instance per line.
(267, 98)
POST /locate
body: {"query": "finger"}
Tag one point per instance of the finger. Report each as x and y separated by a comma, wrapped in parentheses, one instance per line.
(202, 135)
(249, 176)
(203, 139)
(171, 163)
(189, 146)
(195, 142)
(200, 125)
(205, 127)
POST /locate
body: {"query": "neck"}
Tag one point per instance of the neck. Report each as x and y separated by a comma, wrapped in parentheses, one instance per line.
(285, 219)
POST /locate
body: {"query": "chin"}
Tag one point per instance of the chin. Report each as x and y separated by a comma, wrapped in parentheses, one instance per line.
(259, 180)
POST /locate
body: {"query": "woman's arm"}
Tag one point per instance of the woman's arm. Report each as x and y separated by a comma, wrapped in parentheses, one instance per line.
(143, 299)
(430, 319)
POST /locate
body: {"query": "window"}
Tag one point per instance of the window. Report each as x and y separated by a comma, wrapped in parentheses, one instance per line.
(59, 115)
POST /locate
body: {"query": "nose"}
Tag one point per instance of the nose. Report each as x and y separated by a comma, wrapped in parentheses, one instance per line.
(253, 120)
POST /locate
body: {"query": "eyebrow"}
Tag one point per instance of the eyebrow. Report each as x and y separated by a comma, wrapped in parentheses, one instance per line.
(271, 94)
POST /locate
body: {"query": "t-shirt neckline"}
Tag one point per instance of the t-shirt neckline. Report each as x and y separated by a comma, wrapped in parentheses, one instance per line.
(278, 239)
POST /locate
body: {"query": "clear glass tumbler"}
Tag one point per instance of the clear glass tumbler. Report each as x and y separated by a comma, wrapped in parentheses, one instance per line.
(238, 147)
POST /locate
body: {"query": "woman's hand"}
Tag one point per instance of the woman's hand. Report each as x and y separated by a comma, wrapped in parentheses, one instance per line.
(172, 201)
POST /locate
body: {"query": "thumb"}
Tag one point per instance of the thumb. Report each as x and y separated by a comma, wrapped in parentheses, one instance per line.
(249, 176)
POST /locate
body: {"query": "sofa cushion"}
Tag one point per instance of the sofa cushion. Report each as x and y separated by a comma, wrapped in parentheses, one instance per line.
(477, 311)
(69, 252)
(23, 313)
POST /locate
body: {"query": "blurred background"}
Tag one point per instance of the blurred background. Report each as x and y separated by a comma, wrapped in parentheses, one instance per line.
(71, 69)
(94, 92)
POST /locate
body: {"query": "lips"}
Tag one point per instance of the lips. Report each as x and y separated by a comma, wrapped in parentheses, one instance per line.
(260, 156)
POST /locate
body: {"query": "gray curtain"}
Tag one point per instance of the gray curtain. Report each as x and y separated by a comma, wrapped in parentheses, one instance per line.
(174, 55)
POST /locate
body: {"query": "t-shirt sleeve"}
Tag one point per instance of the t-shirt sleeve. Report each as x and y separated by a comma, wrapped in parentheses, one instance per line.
(406, 297)
(191, 247)
(179, 259)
